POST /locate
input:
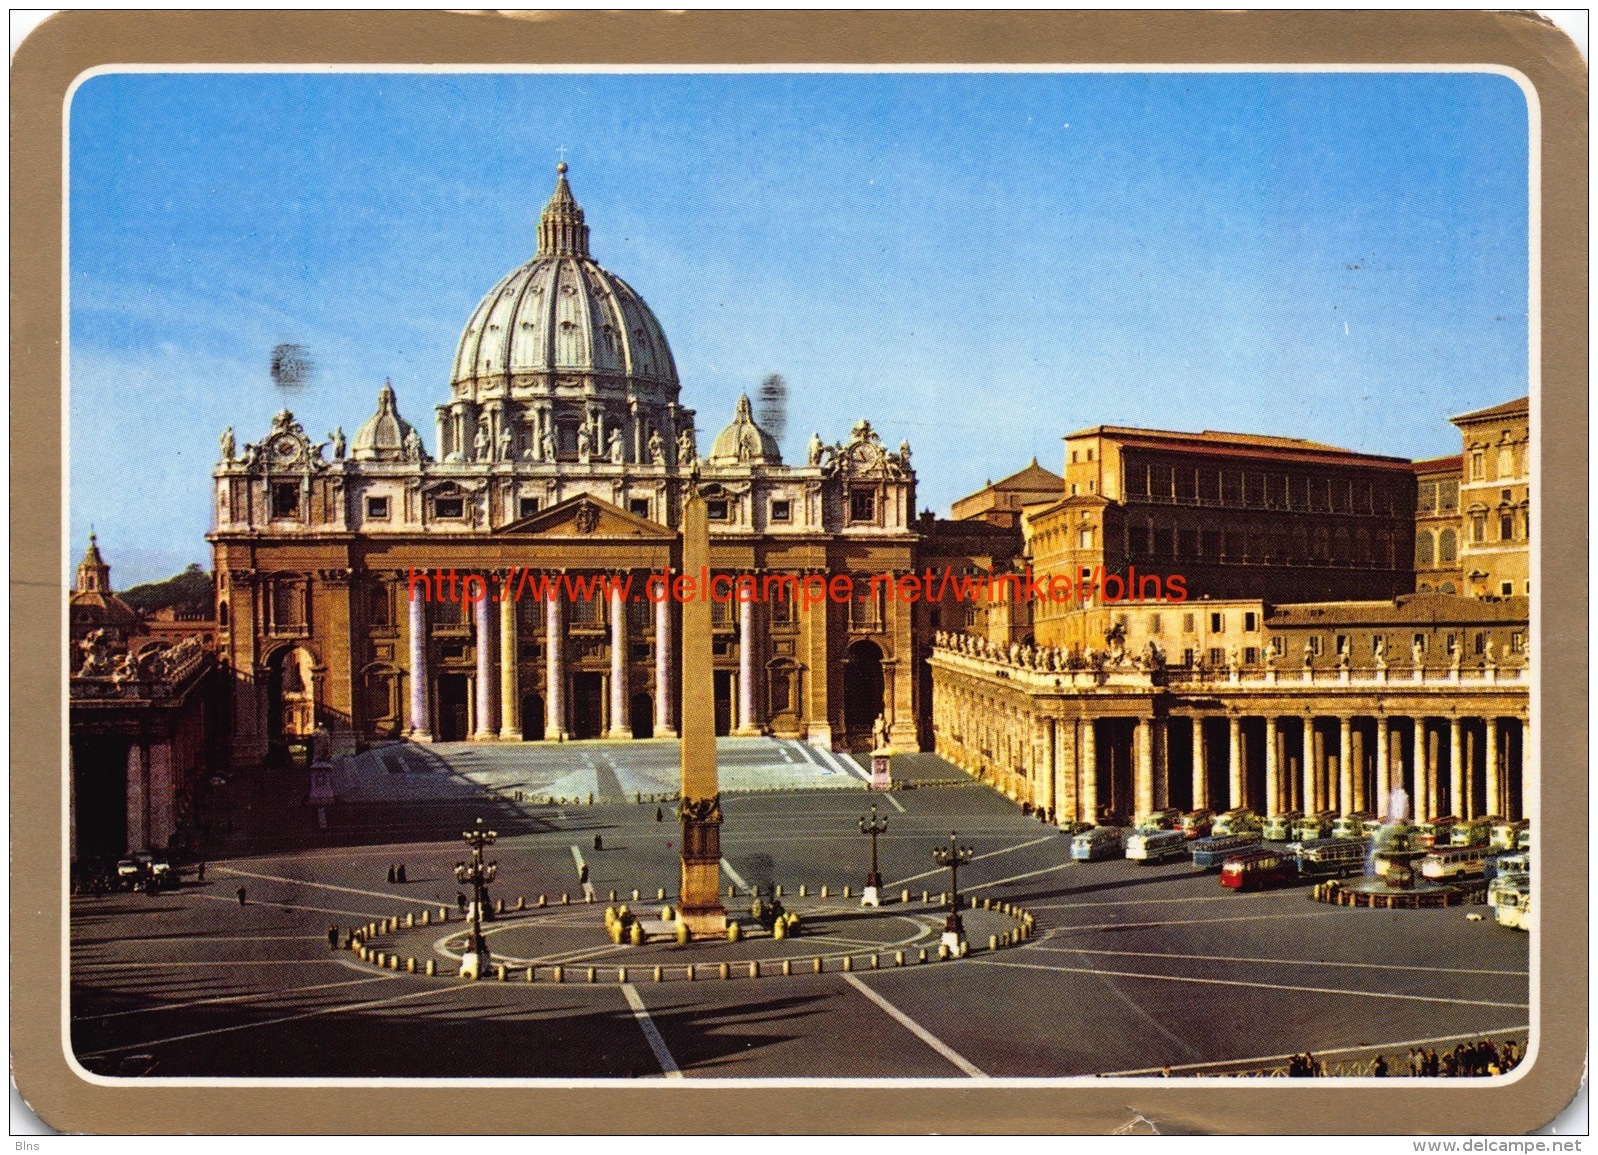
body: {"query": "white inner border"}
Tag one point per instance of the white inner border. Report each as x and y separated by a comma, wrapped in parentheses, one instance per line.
(1530, 761)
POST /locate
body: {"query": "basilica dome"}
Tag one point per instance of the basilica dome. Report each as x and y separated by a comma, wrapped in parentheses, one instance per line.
(743, 442)
(561, 319)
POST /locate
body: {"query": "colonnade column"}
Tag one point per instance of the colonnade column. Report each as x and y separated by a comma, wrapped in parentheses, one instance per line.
(510, 704)
(665, 689)
(485, 668)
(1454, 777)
(1142, 765)
(1467, 786)
(421, 729)
(1431, 744)
(1089, 754)
(1201, 766)
(620, 726)
(554, 670)
(1273, 792)
(1384, 770)
(1235, 761)
(1493, 801)
(1317, 800)
(746, 667)
(1345, 765)
(1307, 766)
(1358, 755)
(1160, 761)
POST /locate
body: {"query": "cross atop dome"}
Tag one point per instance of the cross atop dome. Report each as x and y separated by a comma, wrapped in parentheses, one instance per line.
(561, 231)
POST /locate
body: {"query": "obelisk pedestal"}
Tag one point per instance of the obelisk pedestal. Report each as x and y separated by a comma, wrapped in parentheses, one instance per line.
(699, 902)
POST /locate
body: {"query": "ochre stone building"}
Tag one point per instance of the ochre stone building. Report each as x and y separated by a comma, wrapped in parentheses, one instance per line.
(563, 449)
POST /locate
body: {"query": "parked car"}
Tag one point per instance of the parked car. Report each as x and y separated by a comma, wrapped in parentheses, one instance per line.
(1099, 842)
(1072, 829)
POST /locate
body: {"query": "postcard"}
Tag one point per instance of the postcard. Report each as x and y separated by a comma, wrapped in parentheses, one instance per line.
(604, 560)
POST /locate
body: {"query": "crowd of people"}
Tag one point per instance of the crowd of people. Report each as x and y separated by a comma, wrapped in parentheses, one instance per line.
(1466, 1060)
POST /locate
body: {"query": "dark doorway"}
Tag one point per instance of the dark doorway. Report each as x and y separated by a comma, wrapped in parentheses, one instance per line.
(452, 707)
(862, 686)
(588, 700)
(533, 718)
(643, 716)
(1179, 763)
(723, 703)
(100, 794)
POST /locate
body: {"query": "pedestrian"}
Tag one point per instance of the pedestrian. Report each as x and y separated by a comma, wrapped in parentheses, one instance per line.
(460, 901)
(582, 874)
(391, 874)
(200, 874)
(399, 875)
(332, 938)
(1379, 1067)
(660, 815)
(599, 843)
(242, 895)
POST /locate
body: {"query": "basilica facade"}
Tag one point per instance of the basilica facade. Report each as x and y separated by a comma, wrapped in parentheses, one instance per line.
(563, 450)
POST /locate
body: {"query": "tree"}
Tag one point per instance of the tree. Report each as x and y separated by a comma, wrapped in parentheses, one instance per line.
(188, 592)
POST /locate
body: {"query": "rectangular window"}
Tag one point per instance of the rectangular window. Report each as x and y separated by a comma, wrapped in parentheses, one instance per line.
(377, 510)
(1155, 624)
(449, 507)
(782, 609)
(1250, 621)
(1478, 527)
(1251, 656)
(380, 606)
(1313, 644)
(1093, 487)
(1217, 656)
(638, 507)
(1279, 646)
(1453, 644)
(1478, 465)
(1187, 658)
(1217, 623)
(1420, 640)
(781, 509)
(862, 506)
(1480, 644)
(1517, 643)
(1506, 589)
(1073, 489)
(1073, 456)
(1506, 526)
(1341, 644)
(1378, 641)
(526, 506)
(286, 499)
(1085, 537)
(716, 509)
(1187, 623)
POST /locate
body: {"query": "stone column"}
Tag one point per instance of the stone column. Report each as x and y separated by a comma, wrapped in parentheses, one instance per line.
(1467, 785)
(485, 668)
(665, 690)
(1384, 769)
(161, 799)
(1317, 800)
(1066, 794)
(747, 723)
(1234, 755)
(620, 723)
(1431, 745)
(1201, 766)
(137, 799)
(1494, 799)
(1359, 802)
(421, 679)
(441, 421)
(554, 670)
(1345, 765)
(1160, 739)
(1273, 785)
(510, 702)
(1142, 766)
(1455, 778)
(1307, 767)
(1088, 809)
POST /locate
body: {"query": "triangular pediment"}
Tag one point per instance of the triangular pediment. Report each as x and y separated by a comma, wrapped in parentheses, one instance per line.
(585, 517)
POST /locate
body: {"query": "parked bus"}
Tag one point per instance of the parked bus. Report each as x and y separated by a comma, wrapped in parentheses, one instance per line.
(1435, 831)
(1506, 834)
(1352, 825)
(1447, 862)
(1211, 852)
(1156, 845)
(1257, 869)
(1332, 857)
(1472, 832)
(1159, 820)
(1517, 914)
(1242, 820)
(1100, 842)
(1195, 824)
(1279, 827)
(1509, 876)
(1314, 826)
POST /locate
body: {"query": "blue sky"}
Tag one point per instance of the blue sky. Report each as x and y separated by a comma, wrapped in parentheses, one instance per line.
(979, 263)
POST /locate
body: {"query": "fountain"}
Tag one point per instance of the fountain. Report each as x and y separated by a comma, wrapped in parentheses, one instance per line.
(1392, 879)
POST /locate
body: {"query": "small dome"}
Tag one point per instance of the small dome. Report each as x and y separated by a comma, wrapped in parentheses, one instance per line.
(743, 442)
(562, 313)
(386, 435)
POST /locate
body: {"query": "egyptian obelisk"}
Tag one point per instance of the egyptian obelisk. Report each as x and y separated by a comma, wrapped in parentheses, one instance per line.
(699, 904)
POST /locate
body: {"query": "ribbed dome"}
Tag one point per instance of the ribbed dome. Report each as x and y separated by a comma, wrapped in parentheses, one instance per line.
(385, 434)
(743, 442)
(561, 313)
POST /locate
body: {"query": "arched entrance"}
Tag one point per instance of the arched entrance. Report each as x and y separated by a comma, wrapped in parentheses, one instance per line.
(641, 715)
(862, 686)
(290, 698)
(533, 718)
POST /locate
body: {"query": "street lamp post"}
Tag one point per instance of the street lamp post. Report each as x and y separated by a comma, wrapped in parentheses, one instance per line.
(954, 856)
(476, 958)
(873, 826)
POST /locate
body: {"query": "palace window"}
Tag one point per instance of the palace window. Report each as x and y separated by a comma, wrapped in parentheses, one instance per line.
(449, 508)
(1478, 465)
(286, 499)
(526, 506)
(587, 611)
(1421, 641)
(1478, 527)
(1217, 656)
(1453, 644)
(1187, 658)
(1447, 546)
(377, 508)
(1479, 644)
(781, 509)
(716, 509)
(1424, 554)
(1085, 537)
(1506, 589)
(638, 507)
(1314, 645)
(1517, 643)
(1506, 462)
(1426, 502)
(1155, 624)
(862, 505)
(288, 606)
(1217, 623)
(1251, 621)
(1187, 623)
(1251, 656)
(1506, 526)
(380, 605)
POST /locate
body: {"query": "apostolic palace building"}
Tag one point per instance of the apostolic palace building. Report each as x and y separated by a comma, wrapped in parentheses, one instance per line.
(1258, 620)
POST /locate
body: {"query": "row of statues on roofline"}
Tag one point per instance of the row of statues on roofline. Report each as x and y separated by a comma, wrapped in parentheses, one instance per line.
(158, 664)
